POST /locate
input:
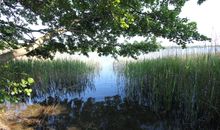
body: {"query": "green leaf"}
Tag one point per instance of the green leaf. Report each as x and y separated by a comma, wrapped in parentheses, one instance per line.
(23, 85)
(28, 91)
(30, 80)
(12, 93)
(23, 81)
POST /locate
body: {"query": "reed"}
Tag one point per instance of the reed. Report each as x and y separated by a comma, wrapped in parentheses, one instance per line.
(64, 73)
(190, 84)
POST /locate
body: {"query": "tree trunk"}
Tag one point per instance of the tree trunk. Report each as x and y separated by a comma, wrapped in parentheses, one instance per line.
(24, 50)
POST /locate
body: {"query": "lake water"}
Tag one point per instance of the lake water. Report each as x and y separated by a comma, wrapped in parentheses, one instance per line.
(100, 105)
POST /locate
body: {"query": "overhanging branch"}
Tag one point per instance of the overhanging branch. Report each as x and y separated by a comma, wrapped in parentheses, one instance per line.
(38, 42)
(24, 50)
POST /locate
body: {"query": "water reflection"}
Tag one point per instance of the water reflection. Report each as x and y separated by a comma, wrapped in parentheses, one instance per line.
(67, 80)
(62, 91)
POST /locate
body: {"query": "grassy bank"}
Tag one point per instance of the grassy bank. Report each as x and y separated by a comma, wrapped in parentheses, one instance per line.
(190, 85)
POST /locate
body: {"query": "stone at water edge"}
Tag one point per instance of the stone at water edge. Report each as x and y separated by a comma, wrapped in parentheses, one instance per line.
(3, 126)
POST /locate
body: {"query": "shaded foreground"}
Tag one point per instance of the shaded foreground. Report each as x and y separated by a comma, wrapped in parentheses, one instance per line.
(111, 114)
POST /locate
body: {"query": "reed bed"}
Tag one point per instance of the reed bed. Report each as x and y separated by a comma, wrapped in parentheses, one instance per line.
(67, 74)
(190, 85)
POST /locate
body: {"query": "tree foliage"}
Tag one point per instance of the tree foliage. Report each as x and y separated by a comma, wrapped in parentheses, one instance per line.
(14, 86)
(94, 25)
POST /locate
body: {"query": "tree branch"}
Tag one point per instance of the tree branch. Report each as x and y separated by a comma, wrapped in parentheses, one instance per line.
(22, 27)
(24, 50)
(38, 42)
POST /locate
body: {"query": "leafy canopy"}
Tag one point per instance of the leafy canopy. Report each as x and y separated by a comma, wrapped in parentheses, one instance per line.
(95, 25)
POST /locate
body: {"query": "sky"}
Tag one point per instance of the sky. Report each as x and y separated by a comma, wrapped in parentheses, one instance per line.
(206, 16)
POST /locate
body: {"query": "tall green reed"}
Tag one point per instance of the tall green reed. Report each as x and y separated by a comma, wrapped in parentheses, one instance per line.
(68, 73)
(190, 84)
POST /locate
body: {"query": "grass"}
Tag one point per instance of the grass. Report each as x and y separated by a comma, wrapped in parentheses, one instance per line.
(190, 84)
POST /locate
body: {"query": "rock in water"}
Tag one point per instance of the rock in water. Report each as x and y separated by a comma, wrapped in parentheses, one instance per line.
(3, 126)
